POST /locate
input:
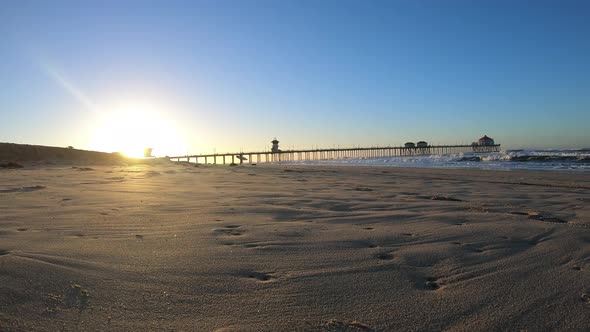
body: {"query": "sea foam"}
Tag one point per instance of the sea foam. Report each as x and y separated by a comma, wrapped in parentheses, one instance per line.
(569, 160)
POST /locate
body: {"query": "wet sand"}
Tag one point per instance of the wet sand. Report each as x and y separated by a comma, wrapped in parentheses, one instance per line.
(281, 248)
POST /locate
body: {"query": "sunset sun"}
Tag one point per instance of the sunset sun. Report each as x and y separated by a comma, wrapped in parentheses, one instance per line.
(133, 127)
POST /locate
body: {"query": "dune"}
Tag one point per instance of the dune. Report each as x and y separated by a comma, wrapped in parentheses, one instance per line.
(11, 152)
(292, 248)
(17, 155)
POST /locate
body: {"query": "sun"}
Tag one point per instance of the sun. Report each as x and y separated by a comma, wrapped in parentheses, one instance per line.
(131, 128)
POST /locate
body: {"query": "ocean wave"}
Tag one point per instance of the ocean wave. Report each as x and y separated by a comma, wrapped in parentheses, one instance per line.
(533, 158)
(539, 156)
(575, 160)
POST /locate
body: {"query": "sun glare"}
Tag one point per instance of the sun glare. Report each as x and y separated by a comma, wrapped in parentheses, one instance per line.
(132, 128)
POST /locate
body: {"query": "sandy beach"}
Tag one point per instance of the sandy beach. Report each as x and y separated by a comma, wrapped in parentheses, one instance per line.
(307, 166)
(174, 247)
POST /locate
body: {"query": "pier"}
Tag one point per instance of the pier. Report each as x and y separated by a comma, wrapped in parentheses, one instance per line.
(335, 153)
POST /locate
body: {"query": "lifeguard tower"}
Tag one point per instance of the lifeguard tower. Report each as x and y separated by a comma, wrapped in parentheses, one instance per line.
(275, 146)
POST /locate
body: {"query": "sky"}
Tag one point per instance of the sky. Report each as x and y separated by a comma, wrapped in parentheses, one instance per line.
(189, 77)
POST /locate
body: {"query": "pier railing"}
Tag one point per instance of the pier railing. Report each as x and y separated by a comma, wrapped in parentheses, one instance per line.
(335, 153)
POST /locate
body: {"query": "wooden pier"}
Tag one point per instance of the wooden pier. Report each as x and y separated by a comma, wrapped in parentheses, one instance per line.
(326, 154)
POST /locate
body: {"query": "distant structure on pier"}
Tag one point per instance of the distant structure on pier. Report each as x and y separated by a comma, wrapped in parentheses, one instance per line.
(409, 145)
(422, 144)
(485, 144)
(275, 145)
(485, 141)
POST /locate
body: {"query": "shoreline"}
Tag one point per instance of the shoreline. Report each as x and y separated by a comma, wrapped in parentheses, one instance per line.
(482, 168)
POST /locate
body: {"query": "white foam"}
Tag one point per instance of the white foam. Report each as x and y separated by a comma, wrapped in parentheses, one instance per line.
(493, 160)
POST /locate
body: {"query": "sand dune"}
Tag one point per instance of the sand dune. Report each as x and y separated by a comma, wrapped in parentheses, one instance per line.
(12, 155)
(36, 153)
(271, 248)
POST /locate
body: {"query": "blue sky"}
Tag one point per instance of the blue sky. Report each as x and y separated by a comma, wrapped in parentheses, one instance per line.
(231, 75)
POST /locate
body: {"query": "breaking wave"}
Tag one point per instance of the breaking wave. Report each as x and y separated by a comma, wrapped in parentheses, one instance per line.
(547, 156)
(574, 160)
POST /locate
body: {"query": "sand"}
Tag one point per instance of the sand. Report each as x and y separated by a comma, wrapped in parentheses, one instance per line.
(174, 247)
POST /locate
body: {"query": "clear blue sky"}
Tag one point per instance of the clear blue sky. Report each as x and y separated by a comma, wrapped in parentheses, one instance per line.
(230, 75)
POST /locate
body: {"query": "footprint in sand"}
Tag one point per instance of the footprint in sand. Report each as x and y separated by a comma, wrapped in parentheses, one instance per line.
(22, 189)
(439, 198)
(116, 178)
(539, 216)
(334, 325)
(76, 297)
(11, 164)
(549, 219)
(540, 238)
(226, 328)
(260, 276)
(230, 230)
(22, 229)
(534, 242)
(384, 256)
(232, 226)
(530, 214)
(252, 245)
(431, 283)
(84, 169)
(4, 252)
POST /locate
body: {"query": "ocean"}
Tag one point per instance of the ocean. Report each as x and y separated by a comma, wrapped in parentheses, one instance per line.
(551, 160)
